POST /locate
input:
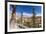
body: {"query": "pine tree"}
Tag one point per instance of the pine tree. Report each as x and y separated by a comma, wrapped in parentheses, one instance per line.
(33, 18)
(21, 17)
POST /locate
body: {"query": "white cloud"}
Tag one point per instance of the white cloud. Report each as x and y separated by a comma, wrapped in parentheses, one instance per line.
(38, 15)
(27, 14)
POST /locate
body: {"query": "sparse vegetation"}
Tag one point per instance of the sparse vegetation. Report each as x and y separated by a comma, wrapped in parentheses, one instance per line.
(31, 22)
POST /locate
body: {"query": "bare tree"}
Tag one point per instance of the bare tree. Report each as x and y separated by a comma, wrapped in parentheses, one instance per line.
(13, 17)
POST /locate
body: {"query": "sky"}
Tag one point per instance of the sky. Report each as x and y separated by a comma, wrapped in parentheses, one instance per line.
(26, 9)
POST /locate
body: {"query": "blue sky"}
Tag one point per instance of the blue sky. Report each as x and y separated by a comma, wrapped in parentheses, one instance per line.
(26, 9)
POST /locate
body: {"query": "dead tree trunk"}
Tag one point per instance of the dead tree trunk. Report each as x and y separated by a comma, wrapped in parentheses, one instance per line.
(13, 17)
